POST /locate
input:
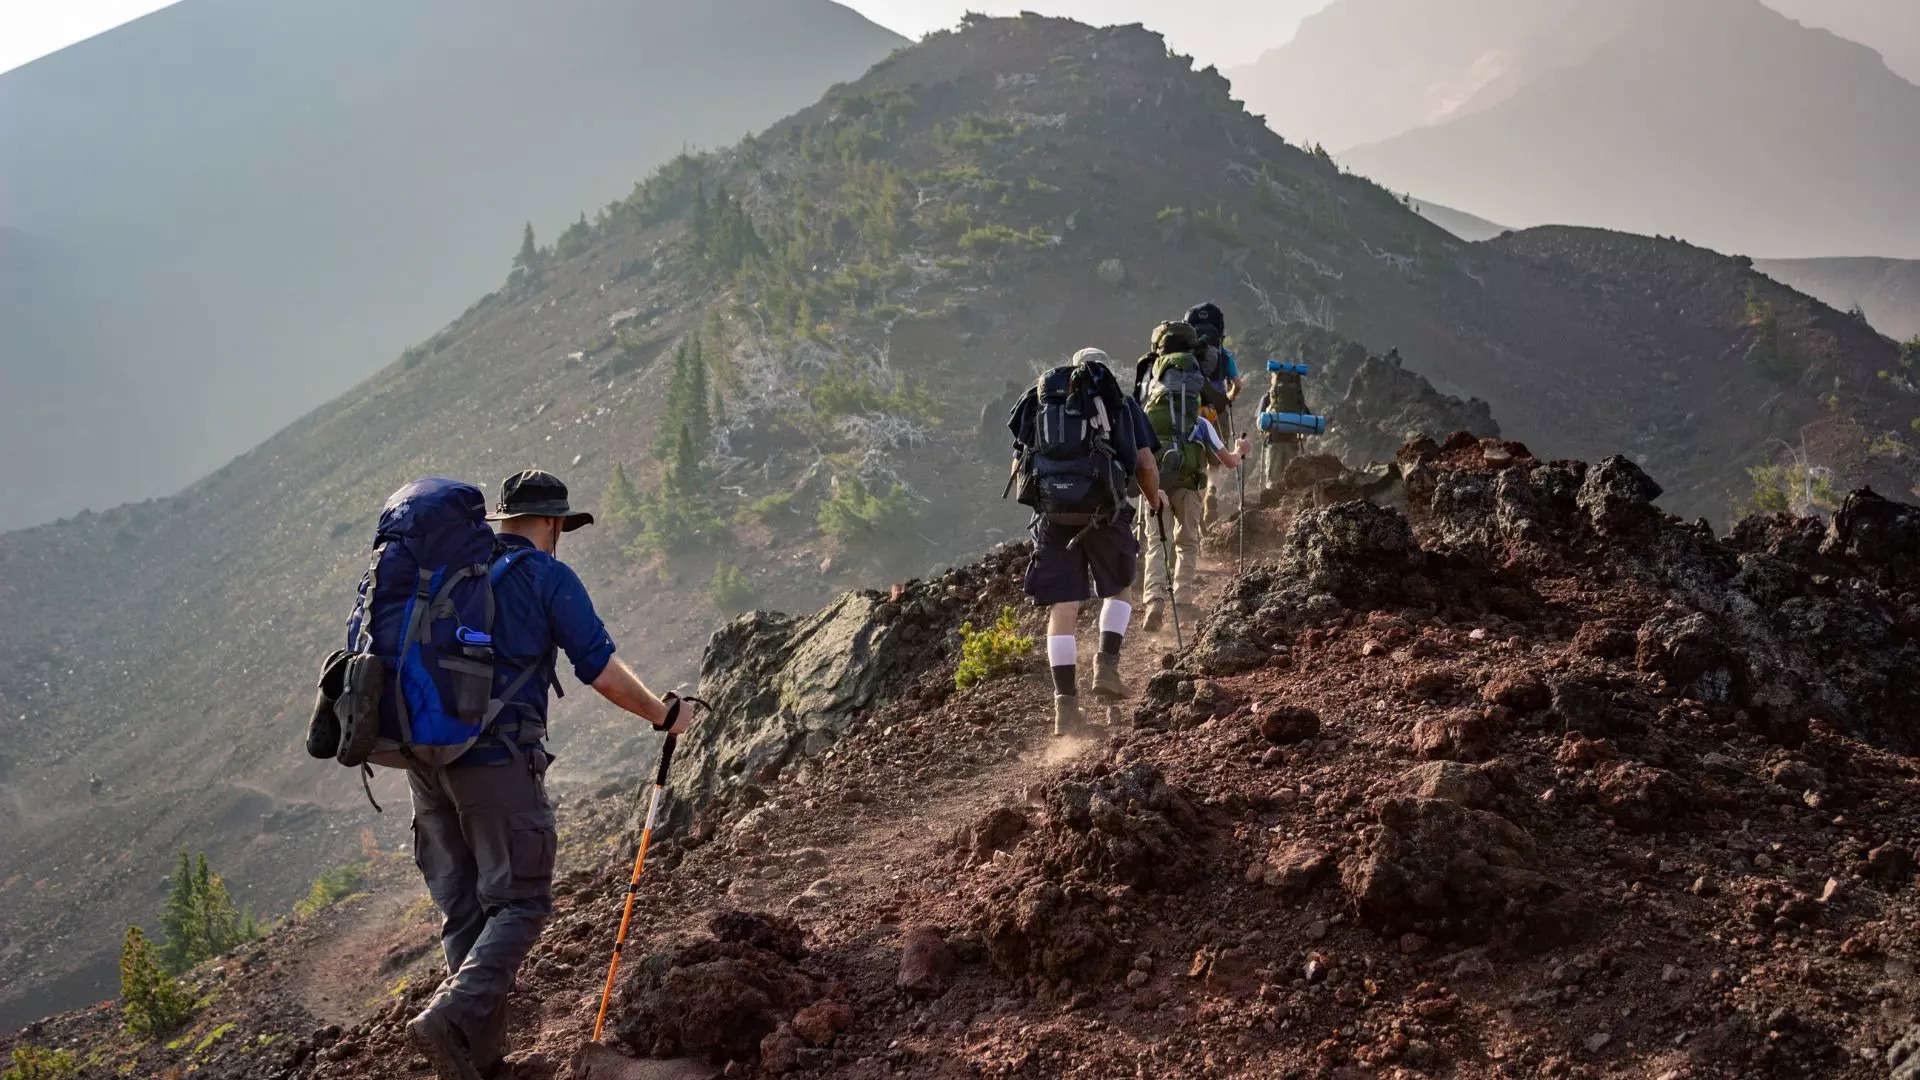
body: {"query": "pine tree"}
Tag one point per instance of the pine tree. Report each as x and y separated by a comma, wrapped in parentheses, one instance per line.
(697, 416)
(154, 1002)
(622, 506)
(529, 257)
(683, 473)
(183, 946)
(702, 220)
(201, 919)
(220, 920)
(687, 401)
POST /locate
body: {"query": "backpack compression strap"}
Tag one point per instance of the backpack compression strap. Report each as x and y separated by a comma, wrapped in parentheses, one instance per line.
(1102, 430)
(498, 704)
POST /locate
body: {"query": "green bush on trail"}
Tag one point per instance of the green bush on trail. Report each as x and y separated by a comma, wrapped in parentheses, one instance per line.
(997, 650)
(331, 887)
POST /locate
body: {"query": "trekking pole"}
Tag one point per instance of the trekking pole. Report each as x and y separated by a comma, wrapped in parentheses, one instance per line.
(640, 861)
(1240, 518)
(1166, 554)
(1240, 525)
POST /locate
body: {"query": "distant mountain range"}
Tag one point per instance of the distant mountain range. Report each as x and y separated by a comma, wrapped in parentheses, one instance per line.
(1892, 27)
(226, 211)
(1886, 290)
(1720, 121)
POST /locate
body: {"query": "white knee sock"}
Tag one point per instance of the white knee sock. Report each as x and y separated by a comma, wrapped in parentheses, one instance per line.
(1061, 655)
(1061, 650)
(1114, 614)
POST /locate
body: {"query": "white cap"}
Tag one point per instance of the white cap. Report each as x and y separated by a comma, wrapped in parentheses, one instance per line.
(1090, 356)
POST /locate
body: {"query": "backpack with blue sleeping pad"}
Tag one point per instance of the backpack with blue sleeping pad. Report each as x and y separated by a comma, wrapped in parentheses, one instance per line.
(414, 686)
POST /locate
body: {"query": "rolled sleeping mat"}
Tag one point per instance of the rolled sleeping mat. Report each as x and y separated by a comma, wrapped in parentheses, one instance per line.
(1279, 368)
(1293, 423)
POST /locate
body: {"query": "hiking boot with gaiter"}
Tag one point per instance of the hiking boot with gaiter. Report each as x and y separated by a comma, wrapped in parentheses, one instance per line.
(1107, 685)
(443, 1045)
(1066, 714)
(490, 1045)
(1150, 619)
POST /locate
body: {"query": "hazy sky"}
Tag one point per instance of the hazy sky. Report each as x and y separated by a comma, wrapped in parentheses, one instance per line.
(1223, 32)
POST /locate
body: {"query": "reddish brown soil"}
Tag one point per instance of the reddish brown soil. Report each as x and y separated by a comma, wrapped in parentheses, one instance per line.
(1474, 822)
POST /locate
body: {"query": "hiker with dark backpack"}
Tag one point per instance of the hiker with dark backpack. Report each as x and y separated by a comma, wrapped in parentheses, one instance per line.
(1176, 396)
(452, 647)
(1082, 448)
(1217, 363)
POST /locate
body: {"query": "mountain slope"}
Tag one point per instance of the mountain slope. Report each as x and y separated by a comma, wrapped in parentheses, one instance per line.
(861, 277)
(269, 201)
(1887, 290)
(1721, 121)
(1890, 27)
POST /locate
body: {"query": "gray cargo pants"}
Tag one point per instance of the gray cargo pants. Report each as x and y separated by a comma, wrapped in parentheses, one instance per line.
(484, 838)
(1279, 453)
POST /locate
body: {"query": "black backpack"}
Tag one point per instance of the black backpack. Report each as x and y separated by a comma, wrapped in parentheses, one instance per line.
(1067, 429)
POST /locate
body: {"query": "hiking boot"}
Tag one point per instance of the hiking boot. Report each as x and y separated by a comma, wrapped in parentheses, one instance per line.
(444, 1046)
(1066, 714)
(1150, 621)
(490, 1045)
(1106, 679)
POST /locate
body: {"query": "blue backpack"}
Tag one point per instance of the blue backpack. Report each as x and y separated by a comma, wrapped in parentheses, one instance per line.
(414, 687)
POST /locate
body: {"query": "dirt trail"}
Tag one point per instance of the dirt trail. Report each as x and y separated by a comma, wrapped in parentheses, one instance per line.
(856, 867)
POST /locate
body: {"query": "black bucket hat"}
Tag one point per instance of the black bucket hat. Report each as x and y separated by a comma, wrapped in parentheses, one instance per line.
(537, 493)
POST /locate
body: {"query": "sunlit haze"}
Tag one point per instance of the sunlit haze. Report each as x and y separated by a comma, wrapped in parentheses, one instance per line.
(1220, 31)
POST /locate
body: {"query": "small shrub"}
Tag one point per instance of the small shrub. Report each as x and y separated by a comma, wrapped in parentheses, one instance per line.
(154, 1002)
(730, 590)
(212, 1037)
(855, 511)
(33, 1063)
(768, 508)
(331, 887)
(997, 650)
(996, 238)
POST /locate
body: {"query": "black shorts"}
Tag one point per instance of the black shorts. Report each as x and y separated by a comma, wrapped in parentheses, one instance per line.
(1100, 565)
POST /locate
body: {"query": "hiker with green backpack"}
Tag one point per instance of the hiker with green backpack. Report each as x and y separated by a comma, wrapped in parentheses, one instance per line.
(1179, 401)
(451, 649)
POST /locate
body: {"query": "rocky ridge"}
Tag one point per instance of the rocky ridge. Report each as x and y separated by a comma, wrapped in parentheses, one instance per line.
(1528, 780)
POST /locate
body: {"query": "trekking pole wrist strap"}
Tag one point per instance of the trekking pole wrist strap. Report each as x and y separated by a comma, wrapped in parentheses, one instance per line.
(674, 702)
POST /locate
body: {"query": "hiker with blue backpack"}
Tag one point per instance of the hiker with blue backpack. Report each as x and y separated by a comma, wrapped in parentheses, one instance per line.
(1082, 450)
(451, 650)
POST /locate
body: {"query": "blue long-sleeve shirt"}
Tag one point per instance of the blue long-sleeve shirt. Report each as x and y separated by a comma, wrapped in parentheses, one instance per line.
(540, 610)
